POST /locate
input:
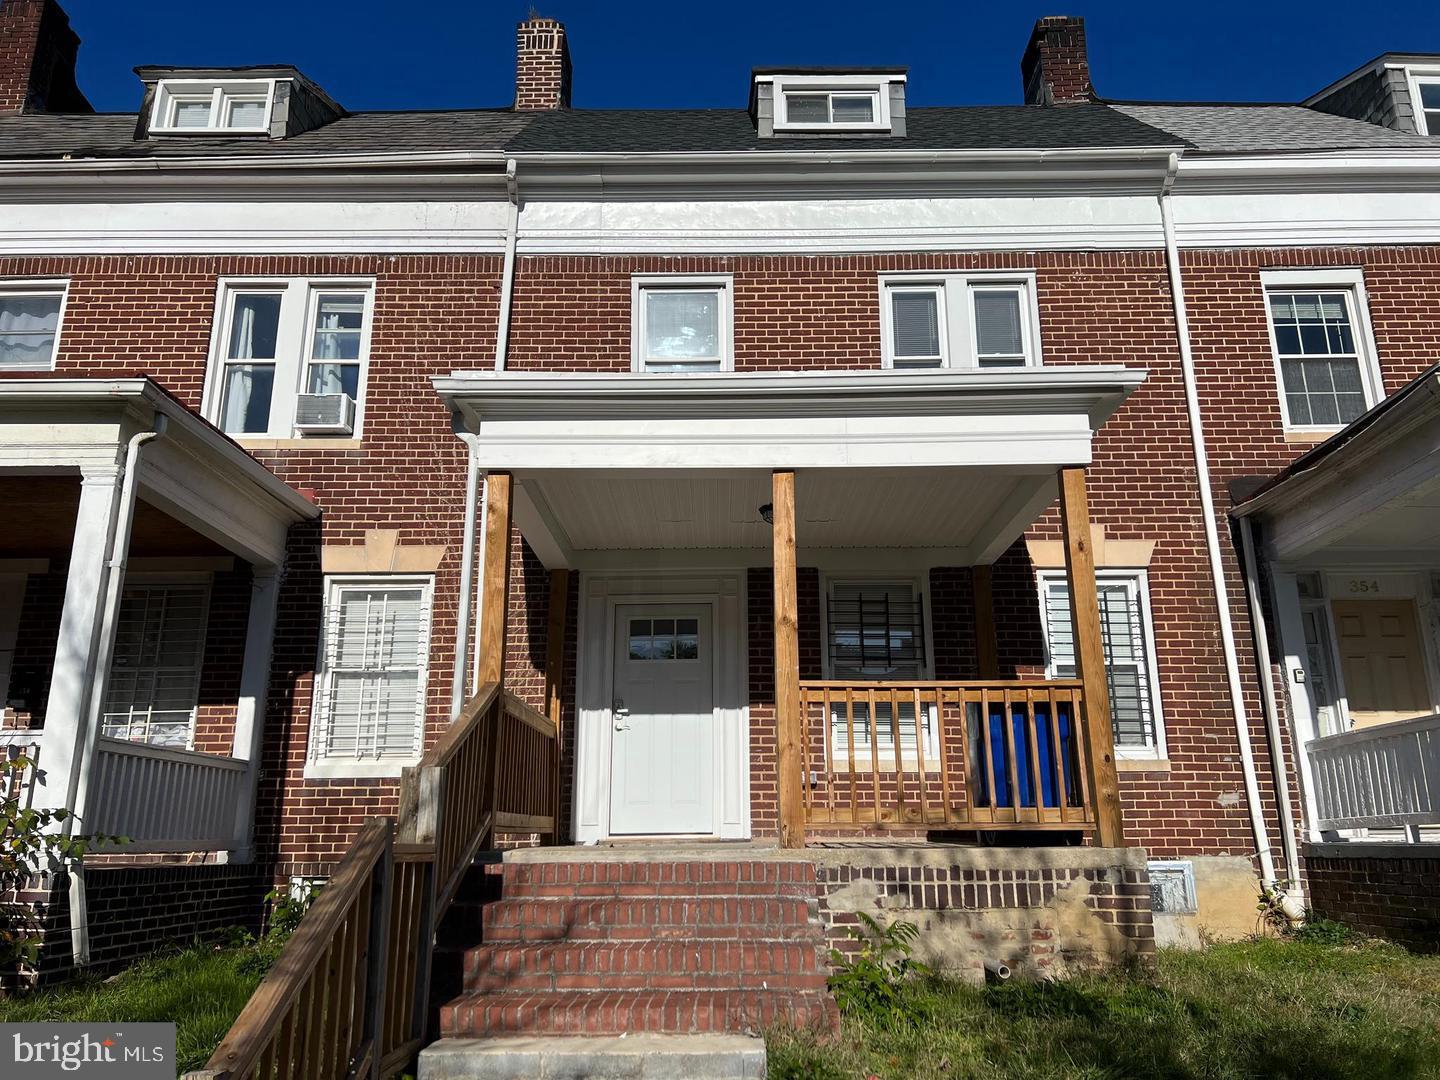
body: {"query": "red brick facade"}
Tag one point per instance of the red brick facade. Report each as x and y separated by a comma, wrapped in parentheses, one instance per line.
(154, 314)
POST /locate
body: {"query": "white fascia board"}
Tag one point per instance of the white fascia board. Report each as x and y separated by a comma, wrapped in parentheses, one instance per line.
(142, 400)
(1312, 171)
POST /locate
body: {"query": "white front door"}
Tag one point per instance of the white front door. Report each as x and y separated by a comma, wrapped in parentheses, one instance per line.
(663, 750)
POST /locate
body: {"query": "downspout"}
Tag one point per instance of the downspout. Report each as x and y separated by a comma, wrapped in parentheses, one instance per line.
(467, 567)
(507, 276)
(1212, 536)
(77, 795)
(1272, 709)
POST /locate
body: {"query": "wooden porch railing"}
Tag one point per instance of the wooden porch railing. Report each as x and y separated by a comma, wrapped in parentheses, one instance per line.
(963, 755)
(348, 996)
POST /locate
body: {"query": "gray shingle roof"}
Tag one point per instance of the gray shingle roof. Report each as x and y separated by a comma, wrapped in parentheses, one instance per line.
(1212, 128)
(1239, 129)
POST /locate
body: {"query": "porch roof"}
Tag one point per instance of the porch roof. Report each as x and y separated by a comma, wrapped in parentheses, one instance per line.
(1370, 492)
(952, 463)
(194, 473)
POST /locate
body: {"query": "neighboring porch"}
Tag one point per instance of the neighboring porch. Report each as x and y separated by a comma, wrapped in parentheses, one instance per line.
(757, 631)
(1349, 545)
(138, 588)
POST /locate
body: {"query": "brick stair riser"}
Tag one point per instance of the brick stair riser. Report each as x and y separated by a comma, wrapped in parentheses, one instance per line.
(598, 1013)
(645, 919)
(705, 964)
(660, 878)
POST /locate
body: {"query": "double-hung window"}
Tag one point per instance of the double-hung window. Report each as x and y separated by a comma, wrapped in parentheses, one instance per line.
(154, 684)
(1128, 640)
(289, 357)
(959, 320)
(30, 315)
(1325, 361)
(681, 323)
(875, 632)
(368, 718)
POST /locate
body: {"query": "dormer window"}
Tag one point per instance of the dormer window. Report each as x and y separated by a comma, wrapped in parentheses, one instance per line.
(235, 107)
(818, 102)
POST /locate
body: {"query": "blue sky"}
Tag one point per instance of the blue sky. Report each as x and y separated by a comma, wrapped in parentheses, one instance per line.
(384, 54)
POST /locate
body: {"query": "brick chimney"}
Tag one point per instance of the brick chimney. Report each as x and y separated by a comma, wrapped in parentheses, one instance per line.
(1056, 67)
(542, 65)
(37, 59)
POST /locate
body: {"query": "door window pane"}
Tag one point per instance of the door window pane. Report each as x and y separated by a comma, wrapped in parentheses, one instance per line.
(664, 639)
(28, 324)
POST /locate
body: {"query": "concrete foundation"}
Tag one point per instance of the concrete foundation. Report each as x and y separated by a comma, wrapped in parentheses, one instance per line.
(626, 1057)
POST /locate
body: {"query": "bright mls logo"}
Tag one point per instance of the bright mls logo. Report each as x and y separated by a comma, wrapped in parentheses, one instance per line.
(102, 1051)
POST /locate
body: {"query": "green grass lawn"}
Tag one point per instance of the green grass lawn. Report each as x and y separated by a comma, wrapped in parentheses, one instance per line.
(200, 989)
(1254, 1009)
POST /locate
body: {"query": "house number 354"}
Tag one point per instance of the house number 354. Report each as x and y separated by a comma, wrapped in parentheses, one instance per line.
(1364, 585)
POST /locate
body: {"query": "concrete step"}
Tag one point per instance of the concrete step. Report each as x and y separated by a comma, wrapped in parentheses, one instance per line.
(630, 1057)
(635, 918)
(606, 1012)
(694, 964)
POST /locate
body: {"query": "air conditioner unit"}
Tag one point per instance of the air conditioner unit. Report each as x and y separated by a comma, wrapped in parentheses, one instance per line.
(325, 414)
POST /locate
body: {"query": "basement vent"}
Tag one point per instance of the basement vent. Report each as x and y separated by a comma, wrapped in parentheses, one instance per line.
(1172, 888)
(325, 414)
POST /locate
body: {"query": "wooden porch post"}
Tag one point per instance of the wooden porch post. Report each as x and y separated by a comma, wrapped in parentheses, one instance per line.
(787, 664)
(986, 647)
(495, 588)
(1090, 657)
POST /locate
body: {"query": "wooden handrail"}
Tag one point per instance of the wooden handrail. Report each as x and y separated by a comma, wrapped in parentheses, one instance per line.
(348, 996)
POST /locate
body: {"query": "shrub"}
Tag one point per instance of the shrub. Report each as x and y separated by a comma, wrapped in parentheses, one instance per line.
(871, 984)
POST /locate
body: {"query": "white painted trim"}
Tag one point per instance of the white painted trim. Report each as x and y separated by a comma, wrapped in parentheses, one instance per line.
(641, 286)
(876, 86)
(1350, 282)
(600, 594)
(1414, 76)
(1140, 579)
(299, 296)
(42, 287)
(1295, 658)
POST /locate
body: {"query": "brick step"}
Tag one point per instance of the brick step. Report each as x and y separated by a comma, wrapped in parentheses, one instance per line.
(568, 880)
(634, 918)
(639, 965)
(607, 1012)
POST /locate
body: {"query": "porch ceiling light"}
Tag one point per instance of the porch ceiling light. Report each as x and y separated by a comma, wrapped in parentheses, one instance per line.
(767, 512)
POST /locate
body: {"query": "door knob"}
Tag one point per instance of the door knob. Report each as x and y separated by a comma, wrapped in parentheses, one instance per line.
(621, 715)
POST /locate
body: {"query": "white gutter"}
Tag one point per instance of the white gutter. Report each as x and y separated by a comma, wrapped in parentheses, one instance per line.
(78, 789)
(467, 569)
(1272, 709)
(1212, 536)
(507, 277)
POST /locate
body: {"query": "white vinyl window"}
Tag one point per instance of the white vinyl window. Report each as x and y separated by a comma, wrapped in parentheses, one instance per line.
(30, 317)
(1425, 98)
(231, 107)
(1128, 638)
(874, 632)
(832, 108)
(154, 685)
(278, 344)
(1320, 337)
(368, 718)
(681, 324)
(949, 320)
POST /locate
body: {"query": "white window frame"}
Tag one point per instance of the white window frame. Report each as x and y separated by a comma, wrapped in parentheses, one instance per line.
(840, 756)
(220, 92)
(641, 285)
(1351, 282)
(958, 339)
(152, 580)
(877, 86)
(39, 287)
(1139, 582)
(320, 767)
(298, 308)
(1414, 77)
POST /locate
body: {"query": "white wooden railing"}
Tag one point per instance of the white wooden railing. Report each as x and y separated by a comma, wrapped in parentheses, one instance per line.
(163, 799)
(1379, 777)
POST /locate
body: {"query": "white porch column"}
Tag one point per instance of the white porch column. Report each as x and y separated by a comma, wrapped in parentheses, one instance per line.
(75, 676)
(250, 709)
